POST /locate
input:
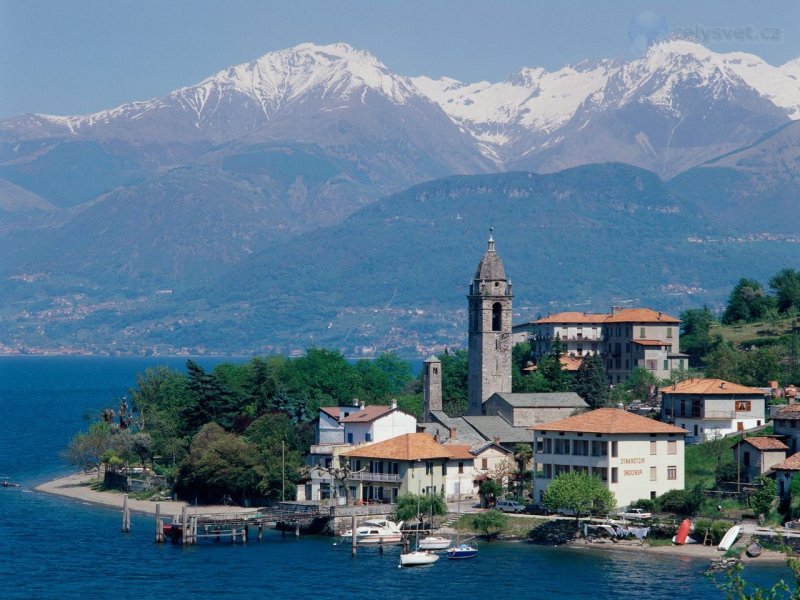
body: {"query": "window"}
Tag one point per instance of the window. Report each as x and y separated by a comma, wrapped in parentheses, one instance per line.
(614, 449)
(485, 464)
(444, 469)
(548, 471)
(428, 467)
(672, 473)
(666, 364)
(461, 468)
(349, 438)
(743, 405)
(653, 447)
(614, 478)
(652, 495)
(497, 317)
(653, 473)
(641, 332)
(367, 437)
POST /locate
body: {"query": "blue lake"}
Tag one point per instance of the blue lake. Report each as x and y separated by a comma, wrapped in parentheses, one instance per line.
(57, 548)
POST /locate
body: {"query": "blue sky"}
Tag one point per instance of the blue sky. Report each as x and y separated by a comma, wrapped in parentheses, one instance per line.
(74, 57)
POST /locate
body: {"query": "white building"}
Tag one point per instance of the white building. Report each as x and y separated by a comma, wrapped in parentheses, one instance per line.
(712, 408)
(634, 456)
(579, 333)
(340, 429)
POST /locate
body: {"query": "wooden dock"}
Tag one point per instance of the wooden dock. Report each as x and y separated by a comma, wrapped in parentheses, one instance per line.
(193, 525)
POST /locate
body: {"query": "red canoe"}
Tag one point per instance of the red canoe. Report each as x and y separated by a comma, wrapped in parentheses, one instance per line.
(683, 532)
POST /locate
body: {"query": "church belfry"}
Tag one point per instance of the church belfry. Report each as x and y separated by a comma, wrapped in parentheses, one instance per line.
(489, 301)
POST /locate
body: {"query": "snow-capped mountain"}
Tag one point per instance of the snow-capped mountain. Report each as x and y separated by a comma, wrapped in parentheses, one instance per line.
(538, 119)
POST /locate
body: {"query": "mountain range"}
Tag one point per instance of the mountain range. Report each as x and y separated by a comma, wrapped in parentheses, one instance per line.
(268, 200)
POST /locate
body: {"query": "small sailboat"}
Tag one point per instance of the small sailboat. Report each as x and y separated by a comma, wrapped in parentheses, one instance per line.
(417, 557)
(461, 549)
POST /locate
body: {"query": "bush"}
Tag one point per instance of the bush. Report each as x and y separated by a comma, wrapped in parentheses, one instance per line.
(490, 523)
(681, 502)
(646, 504)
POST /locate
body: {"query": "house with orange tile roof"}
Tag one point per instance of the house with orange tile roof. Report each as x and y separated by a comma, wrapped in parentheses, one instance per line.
(757, 455)
(712, 408)
(633, 456)
(341, 428)
(409, 463)
(469, 466)
(786, 423)
(579, 333)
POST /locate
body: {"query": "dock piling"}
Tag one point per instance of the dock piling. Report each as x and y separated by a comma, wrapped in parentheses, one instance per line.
(126, 515)
(159, 525)
(353, 530)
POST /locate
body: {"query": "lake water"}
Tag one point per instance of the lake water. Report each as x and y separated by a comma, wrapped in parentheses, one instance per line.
(57, 548)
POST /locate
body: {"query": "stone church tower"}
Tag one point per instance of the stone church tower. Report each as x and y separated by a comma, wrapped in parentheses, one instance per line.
(431, 386)
(489, 331)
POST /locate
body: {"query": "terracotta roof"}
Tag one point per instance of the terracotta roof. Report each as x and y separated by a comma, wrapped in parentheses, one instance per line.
(790, 464)
(651, 343)
(640, 315)
(331, 410)
(765, 443)
(574, 317)
(709, 386)
(791, 411)
(410, 446)
(367, 415)
(568, 363)
(459, 451)
(608, 420)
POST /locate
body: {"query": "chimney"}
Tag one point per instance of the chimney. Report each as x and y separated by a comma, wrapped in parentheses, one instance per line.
(453, 433)
(394, 403)
(659, 315)
(361, 406)
(355, 401)
(722, 385)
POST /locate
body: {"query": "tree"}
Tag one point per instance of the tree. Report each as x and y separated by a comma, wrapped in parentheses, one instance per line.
(490, 523)
(723, 361)
(210, 400)
(696, 339)
(591, 381)
(86, 450)
(761, 500)
(786, 284)
(489, 490)
(759, 366)
(682, 502)
(579, 493)
(280, 446)
(455, 369)
(640, 383)
(410, 506)
(219, 464)
(551, 369)
(748, 302)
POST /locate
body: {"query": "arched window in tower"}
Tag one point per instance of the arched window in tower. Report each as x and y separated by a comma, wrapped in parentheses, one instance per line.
(497, 317)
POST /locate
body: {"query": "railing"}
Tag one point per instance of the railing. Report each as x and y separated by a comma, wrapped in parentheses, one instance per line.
(385, 477)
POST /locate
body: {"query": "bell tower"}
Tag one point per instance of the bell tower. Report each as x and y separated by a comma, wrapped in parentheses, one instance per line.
(489, 302)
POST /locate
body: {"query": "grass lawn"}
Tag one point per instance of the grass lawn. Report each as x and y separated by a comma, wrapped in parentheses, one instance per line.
(752, 331)
(701, 461)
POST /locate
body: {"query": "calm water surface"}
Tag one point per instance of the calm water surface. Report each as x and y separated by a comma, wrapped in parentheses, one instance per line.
(56, 548)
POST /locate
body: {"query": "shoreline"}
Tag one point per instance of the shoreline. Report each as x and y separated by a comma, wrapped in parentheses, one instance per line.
(692, 551)
(76, 487)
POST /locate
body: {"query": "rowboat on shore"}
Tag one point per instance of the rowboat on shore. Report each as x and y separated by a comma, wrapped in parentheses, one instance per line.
(728, 539)
(754, 550)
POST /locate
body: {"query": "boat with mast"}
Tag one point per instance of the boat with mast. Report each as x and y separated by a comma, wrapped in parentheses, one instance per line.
(461, 550)
(417, 557)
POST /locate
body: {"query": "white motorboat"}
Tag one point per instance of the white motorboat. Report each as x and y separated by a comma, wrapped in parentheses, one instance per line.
(418, 558)
(434, 542)
(375, 532)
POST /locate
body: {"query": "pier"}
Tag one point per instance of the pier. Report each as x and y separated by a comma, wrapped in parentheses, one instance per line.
(193, 525)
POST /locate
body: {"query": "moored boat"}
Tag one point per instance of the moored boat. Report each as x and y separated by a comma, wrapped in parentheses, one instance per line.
(462, 550)
(434, 542)
(375, 532)
(417, 558)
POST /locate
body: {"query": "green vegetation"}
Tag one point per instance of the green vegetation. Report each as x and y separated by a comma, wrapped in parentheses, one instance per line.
(411, 505)
(490, 523)
(238, 431)
(591, 382)
(579, 493)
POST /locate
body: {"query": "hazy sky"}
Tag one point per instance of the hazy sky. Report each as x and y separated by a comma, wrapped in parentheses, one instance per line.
(79, 56)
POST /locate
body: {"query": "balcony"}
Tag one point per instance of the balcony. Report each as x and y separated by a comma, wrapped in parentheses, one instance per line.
(381, 477)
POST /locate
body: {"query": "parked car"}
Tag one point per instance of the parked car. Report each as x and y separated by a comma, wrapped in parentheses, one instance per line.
(511, 506)
(537, 509)
(634, 514)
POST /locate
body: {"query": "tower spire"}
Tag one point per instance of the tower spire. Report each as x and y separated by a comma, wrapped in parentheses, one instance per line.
(491, 240)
